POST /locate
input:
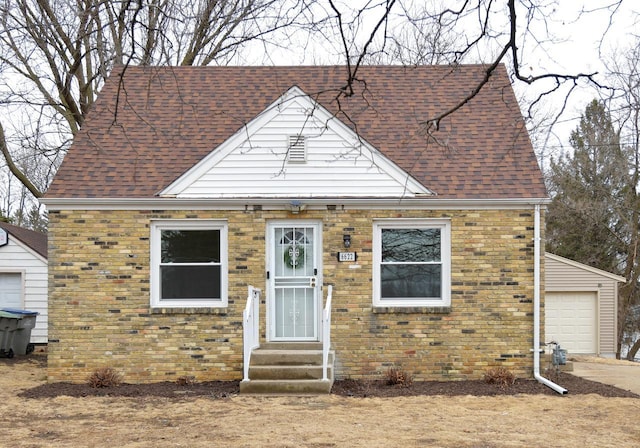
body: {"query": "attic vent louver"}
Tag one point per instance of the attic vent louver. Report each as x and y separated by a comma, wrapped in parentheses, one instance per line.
(297, 150)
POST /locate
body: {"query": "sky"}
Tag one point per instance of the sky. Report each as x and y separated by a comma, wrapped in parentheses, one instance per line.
(565, 37)
(583, 42)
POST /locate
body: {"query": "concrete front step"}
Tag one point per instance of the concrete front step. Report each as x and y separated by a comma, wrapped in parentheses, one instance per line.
(289, 372)
(288, 368)
(286, 387)
(291, 346)
(269, 357)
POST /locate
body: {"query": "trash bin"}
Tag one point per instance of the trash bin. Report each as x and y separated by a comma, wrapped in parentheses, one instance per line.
(8, 326)
(26, 321)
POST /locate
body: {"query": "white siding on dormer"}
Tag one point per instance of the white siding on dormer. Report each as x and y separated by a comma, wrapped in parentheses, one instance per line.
(254, 162)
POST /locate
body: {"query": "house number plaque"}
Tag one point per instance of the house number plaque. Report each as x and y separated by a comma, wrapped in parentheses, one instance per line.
(347, 256)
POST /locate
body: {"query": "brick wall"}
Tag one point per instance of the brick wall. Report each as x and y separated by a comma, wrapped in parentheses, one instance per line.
(100, 314)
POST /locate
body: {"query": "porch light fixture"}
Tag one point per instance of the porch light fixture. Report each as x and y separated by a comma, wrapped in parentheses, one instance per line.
(296, 207)
(346, 239)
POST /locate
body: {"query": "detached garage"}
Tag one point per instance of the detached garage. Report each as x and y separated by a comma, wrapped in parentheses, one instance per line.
(23, 274)
(581, 304)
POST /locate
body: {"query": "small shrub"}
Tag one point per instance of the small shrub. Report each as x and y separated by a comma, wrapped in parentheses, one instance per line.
(553, 373)
(105, 377)
(186, 380)
(500, 376)
(398, 377)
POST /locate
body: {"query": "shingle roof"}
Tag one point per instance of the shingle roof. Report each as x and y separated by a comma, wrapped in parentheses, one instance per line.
(149, 127)
(35, 240)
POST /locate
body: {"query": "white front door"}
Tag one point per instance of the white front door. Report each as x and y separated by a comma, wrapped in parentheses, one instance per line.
(294, 280)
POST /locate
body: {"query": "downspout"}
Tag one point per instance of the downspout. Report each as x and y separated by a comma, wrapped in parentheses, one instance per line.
(536, 307)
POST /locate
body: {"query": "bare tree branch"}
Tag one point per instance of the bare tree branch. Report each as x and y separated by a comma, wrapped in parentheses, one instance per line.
(14, 169)
(61, 51)
(55, 56)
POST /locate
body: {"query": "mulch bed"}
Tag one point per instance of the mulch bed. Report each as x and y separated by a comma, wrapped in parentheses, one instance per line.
(575, 385)
(347, 388)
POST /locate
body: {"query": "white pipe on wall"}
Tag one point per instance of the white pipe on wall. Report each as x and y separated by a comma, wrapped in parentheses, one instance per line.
(536, 307)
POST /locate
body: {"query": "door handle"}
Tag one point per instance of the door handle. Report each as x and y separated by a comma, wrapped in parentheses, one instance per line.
(312, 282)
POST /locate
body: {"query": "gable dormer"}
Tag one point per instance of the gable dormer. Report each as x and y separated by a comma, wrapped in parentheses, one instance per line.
(295, 149)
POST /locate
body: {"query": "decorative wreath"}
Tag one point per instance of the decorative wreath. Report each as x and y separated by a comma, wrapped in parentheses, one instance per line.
(294, 256)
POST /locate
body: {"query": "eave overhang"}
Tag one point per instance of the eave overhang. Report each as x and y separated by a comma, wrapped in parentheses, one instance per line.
(55, 204)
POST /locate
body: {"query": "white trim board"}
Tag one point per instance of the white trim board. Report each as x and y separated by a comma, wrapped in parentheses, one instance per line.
(585, 267)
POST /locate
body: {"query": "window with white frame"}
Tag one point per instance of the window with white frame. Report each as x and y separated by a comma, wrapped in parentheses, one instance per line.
(189, 263)
(412, 263)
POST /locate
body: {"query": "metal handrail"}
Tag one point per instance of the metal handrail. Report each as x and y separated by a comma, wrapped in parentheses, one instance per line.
(251, 325)
(326, 333)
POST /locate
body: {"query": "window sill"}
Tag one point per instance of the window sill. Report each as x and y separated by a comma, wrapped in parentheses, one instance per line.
(189, 310)
(411, 309)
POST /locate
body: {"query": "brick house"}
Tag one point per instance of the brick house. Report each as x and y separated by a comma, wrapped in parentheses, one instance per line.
(187, 185)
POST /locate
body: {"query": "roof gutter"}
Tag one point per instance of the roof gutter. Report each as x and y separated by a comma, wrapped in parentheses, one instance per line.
(283, 203)
(536, 307)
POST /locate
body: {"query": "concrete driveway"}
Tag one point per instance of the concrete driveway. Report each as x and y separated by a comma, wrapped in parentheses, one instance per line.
(621, 374)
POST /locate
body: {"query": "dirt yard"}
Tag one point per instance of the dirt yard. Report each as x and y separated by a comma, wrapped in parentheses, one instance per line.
(508, 419)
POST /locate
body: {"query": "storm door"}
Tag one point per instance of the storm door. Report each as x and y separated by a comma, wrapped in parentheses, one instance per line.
(294, 284)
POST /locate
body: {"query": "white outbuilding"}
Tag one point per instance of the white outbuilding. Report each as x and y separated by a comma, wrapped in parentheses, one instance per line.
(23, 274)
(581, 307)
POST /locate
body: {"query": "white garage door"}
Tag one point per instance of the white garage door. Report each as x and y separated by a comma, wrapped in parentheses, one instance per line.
(571, 320)
(10, 290)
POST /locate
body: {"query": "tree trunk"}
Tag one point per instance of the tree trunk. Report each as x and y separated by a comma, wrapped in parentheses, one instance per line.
(633, 350)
